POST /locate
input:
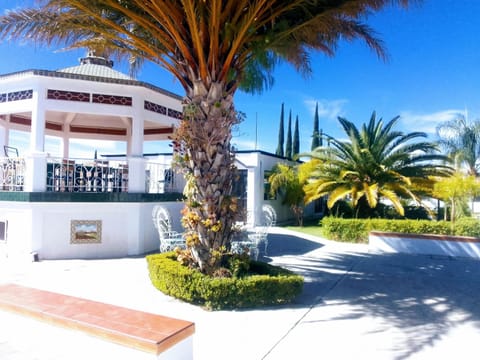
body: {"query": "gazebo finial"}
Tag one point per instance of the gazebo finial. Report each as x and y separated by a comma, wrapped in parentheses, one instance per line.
(92, 58)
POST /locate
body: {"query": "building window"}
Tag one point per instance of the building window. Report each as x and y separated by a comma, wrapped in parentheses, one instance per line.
(240, 190)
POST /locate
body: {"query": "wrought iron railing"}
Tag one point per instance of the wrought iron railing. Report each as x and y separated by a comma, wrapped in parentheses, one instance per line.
(160, 178)
(78, 175)
(12, 174)
(82, 175)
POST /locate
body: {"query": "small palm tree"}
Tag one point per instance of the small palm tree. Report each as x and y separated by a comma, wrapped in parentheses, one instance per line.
(376, 162)
(461, 140)
(286, 181)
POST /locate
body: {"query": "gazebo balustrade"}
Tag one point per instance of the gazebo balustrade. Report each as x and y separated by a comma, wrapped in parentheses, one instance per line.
(74, 175)
(87, 175)
(12, 174)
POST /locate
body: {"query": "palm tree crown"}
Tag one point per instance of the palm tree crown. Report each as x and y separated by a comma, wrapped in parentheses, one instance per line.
(375, 162)
(461, 139)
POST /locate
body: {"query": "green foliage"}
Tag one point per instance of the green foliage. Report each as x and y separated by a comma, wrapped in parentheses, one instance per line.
(375, 162)
(345, 230)
(461, 139)
(296, 140)
(344, 209)
(260, 284)
(279, 150)
(356, 230)
(288, 145)
(285, 180)
(316, 133)
(457, 190)
(467, 227)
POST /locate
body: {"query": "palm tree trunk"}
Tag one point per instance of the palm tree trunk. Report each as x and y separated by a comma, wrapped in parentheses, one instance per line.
(207, 160)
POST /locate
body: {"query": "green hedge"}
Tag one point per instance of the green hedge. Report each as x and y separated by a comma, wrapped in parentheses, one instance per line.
(269, 285)
(356, 230)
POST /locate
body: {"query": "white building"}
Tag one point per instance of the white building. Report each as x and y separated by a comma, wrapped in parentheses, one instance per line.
(70, 208)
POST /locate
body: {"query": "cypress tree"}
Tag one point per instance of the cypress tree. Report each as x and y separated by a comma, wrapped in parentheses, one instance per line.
(315, 140)
(296, 140)
(288, 145)
(279, 151)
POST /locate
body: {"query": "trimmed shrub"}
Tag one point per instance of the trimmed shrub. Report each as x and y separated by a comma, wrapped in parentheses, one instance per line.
(263, 285)
(467, 227)
(347, 230)
(356, 230)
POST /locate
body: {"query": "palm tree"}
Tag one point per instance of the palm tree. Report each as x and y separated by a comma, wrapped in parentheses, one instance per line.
(461, 140)
(286, 181)
(376, 162)
(213, 48)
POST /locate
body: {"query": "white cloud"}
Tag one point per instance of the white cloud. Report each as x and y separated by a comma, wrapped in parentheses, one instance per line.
(426, 122)
(327, 109)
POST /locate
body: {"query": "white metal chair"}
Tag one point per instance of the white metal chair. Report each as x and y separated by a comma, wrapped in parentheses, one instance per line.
(269, 215)
(169, 239)
(260, 234)
(253, 238)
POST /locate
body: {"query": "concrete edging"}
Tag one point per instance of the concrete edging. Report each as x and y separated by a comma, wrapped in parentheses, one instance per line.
(456, 246)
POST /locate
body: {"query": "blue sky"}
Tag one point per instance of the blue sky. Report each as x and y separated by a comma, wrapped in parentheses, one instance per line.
(431, 75)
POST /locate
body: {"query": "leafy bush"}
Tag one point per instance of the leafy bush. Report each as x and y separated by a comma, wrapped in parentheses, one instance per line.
(263, 285)
(467, 227)
(356, 230)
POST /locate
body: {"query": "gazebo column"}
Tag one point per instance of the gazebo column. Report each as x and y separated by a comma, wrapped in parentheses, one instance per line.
(255, 192)
(36, 160)
(4, 133)
(65, 147)
(136, 162)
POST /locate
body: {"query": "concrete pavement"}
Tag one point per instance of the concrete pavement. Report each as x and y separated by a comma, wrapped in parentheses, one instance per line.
(355, 304)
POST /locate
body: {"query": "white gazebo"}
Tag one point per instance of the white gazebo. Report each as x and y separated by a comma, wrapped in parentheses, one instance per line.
(88, 101)
(59, 207)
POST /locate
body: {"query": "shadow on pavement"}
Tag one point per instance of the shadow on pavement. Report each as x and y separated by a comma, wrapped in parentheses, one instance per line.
(422, 297)
(281, 244)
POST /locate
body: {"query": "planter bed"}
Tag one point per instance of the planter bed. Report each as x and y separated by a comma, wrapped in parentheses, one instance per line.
(444, 245)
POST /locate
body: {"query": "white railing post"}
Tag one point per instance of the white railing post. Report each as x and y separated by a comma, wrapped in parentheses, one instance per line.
(36, 172)
(136, 175)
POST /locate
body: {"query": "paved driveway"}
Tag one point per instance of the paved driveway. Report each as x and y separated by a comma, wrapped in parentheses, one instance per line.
(355, 304)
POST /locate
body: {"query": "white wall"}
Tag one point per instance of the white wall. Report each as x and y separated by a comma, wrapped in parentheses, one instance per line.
(127, 229)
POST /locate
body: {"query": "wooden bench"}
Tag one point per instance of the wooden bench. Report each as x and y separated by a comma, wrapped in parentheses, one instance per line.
(136, 329)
